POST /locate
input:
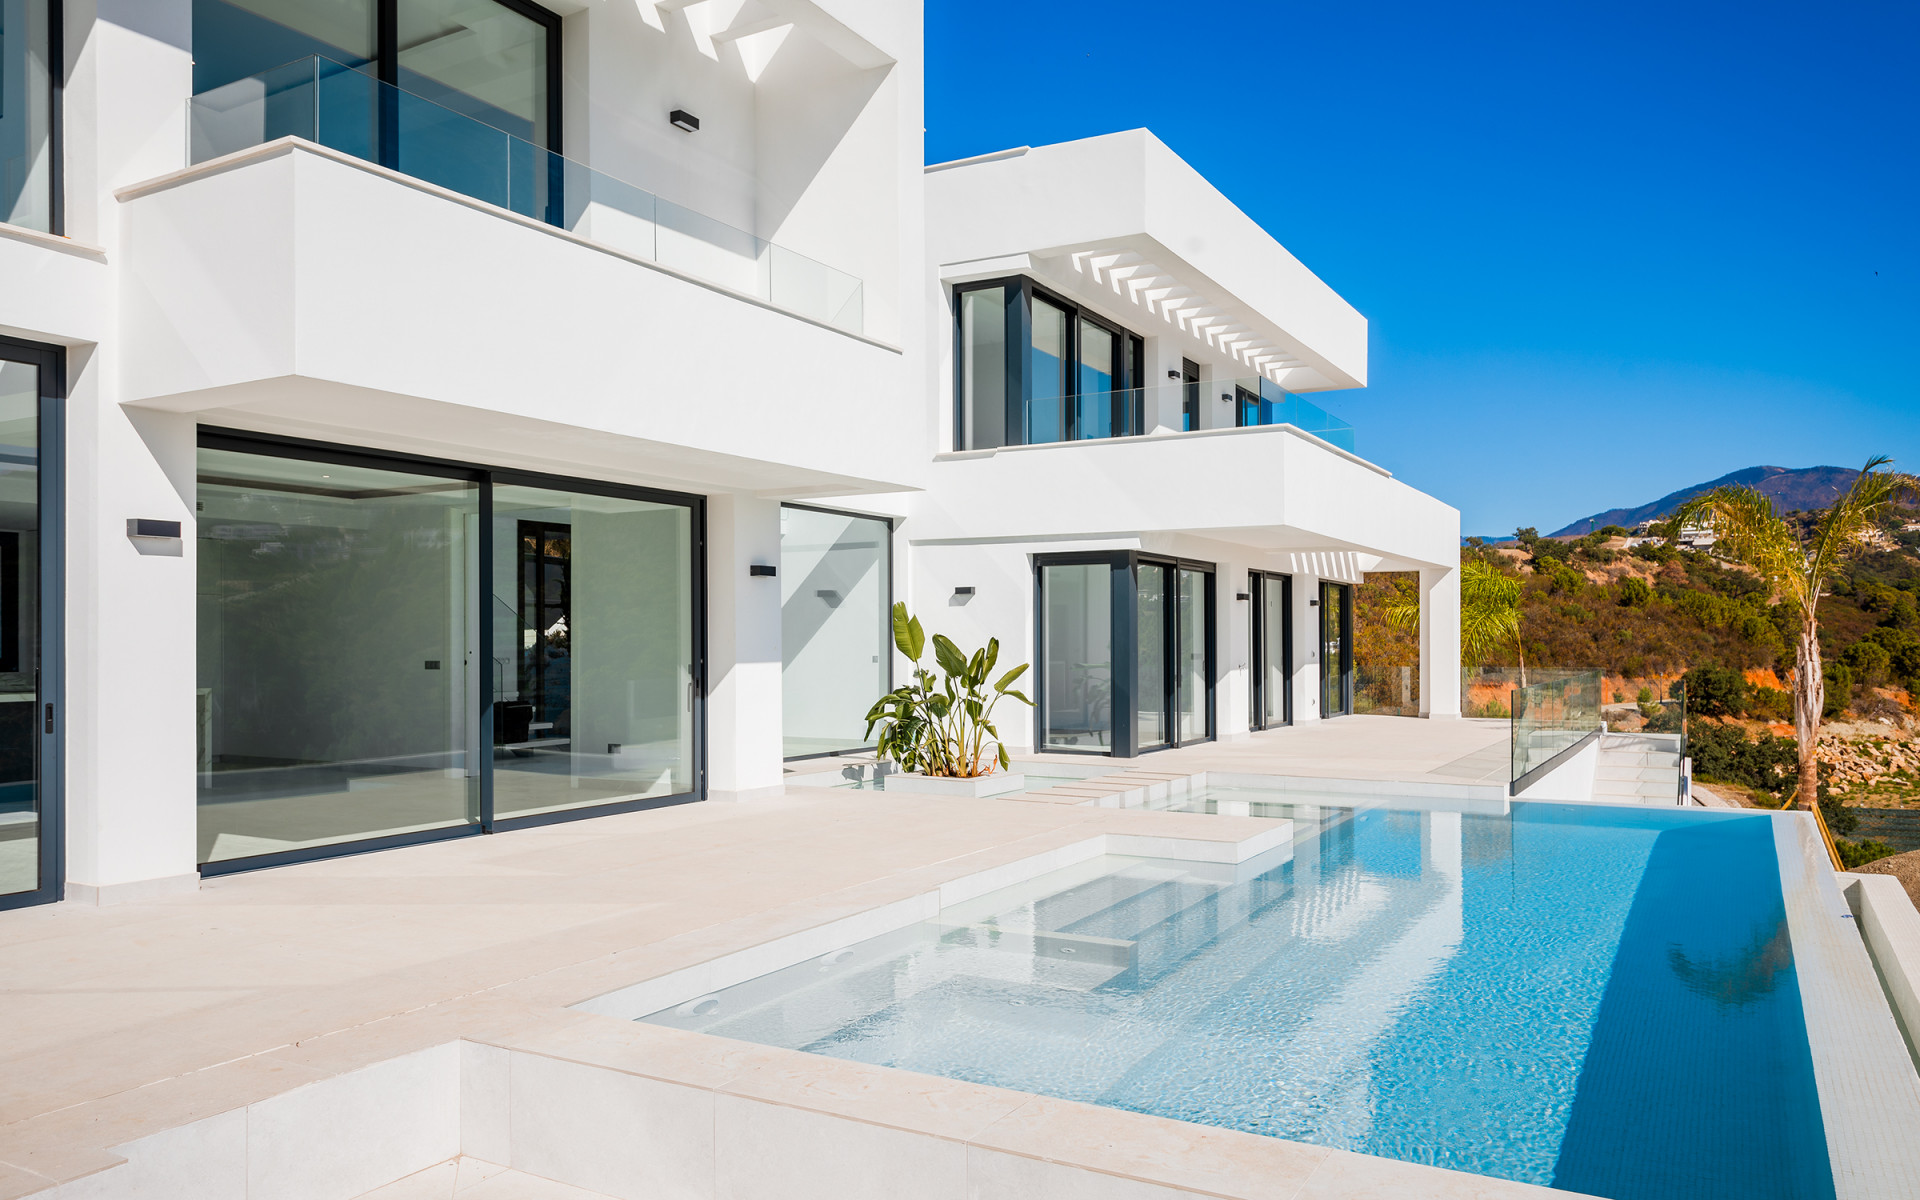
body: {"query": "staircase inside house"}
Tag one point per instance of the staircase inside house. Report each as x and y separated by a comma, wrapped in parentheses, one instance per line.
(1638, 768)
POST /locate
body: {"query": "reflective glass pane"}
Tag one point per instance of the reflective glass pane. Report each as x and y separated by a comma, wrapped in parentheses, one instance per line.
(1273, 642)
(1077, 609)
(983, 368)
(26, 111)
(1046, 370)
(1192, 658)
(1333, 649)
(19, 626)
(835, 628)
(1093, 387)
(478, 58)
(233, 39)
(592, 655)
(336, 625)
(1150, 684)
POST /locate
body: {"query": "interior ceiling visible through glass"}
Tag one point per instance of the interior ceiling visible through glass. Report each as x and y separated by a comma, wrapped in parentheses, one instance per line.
(482, 49)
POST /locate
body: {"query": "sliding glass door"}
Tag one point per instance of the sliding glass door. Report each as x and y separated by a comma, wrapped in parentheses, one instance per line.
(836, 627)
(360, 687)
(592, 650)
(1336, 649)
(1126, 653)
(30, 607)
(1272, 597)
(1076, 639)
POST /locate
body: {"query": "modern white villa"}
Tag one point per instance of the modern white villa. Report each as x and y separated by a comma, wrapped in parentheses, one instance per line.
(451, 415)
(460, 458)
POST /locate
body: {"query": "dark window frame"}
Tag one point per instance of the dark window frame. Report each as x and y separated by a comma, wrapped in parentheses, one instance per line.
(1125, 667)
(888, 654)
(486, 478)
(1129, 364)
(1345, 635)
(50, 738)
(1257, 584)
(1190, 385)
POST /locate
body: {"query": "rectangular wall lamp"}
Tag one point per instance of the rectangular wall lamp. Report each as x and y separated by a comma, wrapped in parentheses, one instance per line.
(963, 591)
(760, 571)
(144, 527)
(684, 120)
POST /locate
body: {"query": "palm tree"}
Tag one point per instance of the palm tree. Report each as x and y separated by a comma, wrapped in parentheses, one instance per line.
(1489, 613)
(1749, 531)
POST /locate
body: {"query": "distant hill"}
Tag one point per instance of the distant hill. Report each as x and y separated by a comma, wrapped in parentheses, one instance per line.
(1791, 489)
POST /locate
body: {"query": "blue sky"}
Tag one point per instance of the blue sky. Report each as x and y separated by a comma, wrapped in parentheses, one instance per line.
(1605, 252)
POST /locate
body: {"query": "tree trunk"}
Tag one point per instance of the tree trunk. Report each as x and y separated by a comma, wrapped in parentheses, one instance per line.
(1809, 697)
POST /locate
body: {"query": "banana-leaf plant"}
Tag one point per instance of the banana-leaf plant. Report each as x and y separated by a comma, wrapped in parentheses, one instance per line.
(941, 723)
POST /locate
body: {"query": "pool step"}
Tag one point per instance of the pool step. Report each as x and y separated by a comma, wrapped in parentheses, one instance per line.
(1637, 769)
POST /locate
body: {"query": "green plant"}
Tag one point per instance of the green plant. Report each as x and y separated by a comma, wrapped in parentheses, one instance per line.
(1489, 614)
(1645, 697)
(942, 723)
(1799, 571)
(1725, 754)
(1769, 704)
(1715, 691)
(1859, 854)
(1839, 691)
(1634, 592)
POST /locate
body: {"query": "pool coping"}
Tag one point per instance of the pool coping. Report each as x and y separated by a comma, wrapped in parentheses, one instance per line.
(1868, 1089)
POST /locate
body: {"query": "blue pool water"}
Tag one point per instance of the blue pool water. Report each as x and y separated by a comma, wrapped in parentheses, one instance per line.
(1600, 999)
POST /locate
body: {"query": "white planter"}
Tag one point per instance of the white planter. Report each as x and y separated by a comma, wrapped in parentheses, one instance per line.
(996, 784)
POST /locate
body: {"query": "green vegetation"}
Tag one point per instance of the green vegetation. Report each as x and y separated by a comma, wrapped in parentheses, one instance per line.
(943, 726)
(1858, 854)
(1799, 569)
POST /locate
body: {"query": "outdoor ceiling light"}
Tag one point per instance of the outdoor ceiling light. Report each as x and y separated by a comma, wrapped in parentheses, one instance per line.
(682, 119)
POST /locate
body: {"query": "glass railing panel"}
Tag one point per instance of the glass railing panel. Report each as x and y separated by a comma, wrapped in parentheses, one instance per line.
(1552, 713)
(249, 112)
(346, 109)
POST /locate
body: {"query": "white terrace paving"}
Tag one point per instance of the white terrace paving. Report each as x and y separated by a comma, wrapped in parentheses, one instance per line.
(126, 1021)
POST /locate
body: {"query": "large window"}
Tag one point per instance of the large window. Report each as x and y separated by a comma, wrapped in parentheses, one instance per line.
(493, 60)
(29, 79)
(1272, 605)
(1336, 649)
(836, 627)
(30, 606)
(1033, 368)
(1126, 652)
(358, 685)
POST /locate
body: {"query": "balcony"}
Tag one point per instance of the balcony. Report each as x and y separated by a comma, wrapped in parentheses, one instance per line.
(348, 110)
(1180, 407)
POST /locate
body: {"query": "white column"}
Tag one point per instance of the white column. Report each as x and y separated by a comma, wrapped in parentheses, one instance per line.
(1233, 651)
(1439, 642)
(130, 731)
(1306, 648)
(1164, 395)
(130, 722)
(744, 756)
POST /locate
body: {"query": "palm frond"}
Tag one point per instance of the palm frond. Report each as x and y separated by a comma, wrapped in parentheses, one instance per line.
(1748, 530)
(1872, 493)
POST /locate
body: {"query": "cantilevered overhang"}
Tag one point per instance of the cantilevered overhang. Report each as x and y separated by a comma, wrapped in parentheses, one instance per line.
(1269, 487)
(293, 289)
(1124, 217)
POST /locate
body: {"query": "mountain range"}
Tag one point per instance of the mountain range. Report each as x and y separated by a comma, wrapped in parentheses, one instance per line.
(1791, 489)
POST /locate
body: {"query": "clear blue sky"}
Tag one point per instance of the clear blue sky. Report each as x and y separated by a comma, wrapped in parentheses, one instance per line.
(1605, 251)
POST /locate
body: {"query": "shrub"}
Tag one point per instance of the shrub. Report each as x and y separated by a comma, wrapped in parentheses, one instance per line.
(1840, 819)
(1634, 592)
(1724, 753)
(1769, 704)
(1715, 691)
(1839, 681)
(1645, 696)
(1869, 662)
(1859, 854)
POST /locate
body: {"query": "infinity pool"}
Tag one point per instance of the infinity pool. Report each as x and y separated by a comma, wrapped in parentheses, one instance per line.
(1600, 999)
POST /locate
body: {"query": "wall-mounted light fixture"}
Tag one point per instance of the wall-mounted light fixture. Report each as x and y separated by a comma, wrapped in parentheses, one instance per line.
(144, 527)
(1313, 604)
(1173, 373)
(963, 591)
(1243, 596)
(684, 120)
(760, 571)
(1226, 397)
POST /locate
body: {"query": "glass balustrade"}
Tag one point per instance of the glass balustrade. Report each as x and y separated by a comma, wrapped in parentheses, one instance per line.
(347, 109)
(1553, 713)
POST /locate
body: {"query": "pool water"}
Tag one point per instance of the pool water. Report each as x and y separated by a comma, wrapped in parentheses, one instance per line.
(1599, 999)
